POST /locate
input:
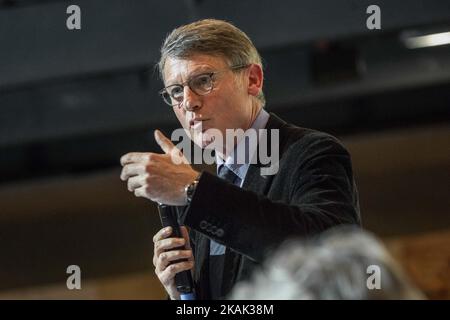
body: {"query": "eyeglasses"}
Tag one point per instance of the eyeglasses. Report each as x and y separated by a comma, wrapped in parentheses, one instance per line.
(201, 84)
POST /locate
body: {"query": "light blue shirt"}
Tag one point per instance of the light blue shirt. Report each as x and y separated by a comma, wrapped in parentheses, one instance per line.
(239, 169)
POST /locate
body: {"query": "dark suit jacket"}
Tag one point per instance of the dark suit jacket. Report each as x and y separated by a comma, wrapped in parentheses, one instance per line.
(313, 190)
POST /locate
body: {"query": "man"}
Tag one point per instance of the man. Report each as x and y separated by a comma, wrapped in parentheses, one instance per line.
(213, 80)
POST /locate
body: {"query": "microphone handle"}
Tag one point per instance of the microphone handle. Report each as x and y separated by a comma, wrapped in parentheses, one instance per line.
(183, 279)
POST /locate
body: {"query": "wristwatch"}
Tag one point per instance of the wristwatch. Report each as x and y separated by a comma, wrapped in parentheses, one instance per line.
(190, 189)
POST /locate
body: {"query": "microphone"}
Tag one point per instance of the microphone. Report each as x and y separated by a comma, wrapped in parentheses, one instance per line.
(183, 279)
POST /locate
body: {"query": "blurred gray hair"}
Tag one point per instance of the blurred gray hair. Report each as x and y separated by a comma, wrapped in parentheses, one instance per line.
(210, 37)
(333, 266)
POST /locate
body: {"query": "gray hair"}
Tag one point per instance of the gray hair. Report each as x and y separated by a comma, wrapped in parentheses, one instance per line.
(211, 37)
(333, 266)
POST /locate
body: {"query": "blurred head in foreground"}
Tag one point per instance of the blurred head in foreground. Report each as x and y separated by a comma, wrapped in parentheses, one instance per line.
(343, 263)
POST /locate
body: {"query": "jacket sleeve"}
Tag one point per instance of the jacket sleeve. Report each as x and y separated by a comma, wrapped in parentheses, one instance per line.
(318, 180)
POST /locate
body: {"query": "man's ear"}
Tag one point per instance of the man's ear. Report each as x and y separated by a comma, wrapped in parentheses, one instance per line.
(255, 79)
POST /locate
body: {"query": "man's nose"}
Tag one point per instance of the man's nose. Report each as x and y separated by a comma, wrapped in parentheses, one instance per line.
(191, 101)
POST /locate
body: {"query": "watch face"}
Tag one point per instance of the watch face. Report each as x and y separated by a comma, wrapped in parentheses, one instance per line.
(190, 190)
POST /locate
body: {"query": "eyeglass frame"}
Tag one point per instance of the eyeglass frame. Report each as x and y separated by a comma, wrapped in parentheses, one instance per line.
(187, 82)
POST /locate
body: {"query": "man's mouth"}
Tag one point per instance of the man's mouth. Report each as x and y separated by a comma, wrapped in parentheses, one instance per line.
(197, 124)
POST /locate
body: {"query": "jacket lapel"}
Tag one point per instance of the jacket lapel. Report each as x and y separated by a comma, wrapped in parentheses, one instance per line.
(259, 184)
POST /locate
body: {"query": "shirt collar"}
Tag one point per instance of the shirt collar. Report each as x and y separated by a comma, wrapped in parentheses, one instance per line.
(240, 170)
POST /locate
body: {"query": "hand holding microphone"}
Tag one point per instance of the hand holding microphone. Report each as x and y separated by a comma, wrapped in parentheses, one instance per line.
(174, 262)
(159, 178)
(168, 253)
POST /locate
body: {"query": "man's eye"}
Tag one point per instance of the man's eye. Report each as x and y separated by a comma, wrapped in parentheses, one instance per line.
(202, 81)
(176, 92)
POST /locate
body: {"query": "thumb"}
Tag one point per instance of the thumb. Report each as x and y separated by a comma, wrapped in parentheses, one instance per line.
(164, 142)
(169, 148)
(185, 234)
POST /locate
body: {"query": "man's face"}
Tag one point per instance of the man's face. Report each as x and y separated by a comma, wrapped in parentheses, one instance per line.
(227, 106)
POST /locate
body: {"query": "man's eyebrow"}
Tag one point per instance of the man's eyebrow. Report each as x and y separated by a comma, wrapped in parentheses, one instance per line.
(201, 70)
(196, 72)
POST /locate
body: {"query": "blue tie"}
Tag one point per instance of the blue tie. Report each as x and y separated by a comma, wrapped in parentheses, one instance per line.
(227, 174)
